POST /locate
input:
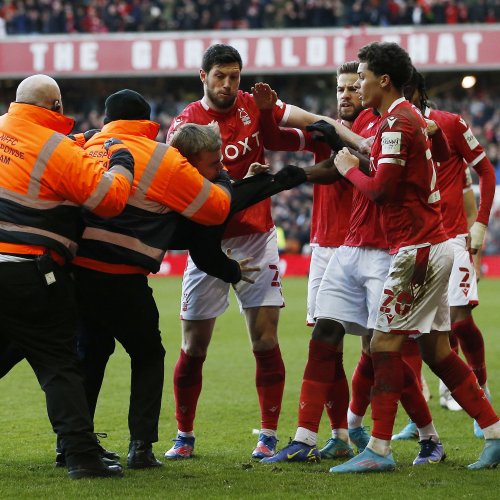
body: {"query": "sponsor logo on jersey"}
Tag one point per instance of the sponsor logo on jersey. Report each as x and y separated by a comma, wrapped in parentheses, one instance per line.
(244, 117)
(391, 120)
(241, 148)
(471, 139)
(391, 143)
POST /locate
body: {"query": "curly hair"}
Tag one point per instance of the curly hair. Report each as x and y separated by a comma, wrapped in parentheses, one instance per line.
(416, 83)
(386, 58)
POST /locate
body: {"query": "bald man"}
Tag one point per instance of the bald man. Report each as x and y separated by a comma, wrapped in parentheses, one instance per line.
(42, 91)
(44, 180)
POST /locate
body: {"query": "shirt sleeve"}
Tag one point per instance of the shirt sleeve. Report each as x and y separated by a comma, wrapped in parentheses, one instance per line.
(277, 138)
(475, 156)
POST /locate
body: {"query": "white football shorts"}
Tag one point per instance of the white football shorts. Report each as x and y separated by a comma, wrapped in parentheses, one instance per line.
(320, 257)
(415, 296)
(352, 286)
(462, 289)
(205, 297)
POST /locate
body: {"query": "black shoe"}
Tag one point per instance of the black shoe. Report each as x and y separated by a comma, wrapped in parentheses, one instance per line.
(94, 468)
(109, 457)
(140, 456)
(105, 456)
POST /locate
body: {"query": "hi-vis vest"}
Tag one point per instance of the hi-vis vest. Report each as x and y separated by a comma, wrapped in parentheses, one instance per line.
(165, 185)
(45, 178)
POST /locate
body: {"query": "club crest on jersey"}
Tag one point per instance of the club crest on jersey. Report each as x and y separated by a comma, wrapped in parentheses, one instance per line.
(177, 122)
(391, 143)
(391, 120)
(244, 116)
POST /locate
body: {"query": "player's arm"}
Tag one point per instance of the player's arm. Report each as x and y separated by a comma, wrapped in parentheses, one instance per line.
(300, 118)
(470, 208)
(440, 147)
(379, 188)
(470, 204)
(474, 154)
(275, 137)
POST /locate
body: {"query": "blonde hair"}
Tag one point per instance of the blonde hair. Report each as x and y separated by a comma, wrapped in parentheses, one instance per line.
(191, 138)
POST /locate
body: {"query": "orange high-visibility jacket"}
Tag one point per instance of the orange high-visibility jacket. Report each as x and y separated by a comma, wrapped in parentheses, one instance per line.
(165, 185)
(45, 178)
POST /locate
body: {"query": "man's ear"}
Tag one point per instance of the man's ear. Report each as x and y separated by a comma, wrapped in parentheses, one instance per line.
(385, 81)
(56, 106)
(203, 75)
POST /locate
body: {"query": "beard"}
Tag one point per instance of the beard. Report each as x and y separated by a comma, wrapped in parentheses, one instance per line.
(218, 102)
(351, 115)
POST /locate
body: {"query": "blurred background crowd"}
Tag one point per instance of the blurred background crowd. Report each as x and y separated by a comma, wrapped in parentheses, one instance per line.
(84, 99)
(104, 16)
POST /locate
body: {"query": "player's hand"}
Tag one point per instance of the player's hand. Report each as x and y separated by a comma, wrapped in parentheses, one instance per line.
(477, 235)
(327, 133)
(432, 127)
(257, 168)
(245, 268)
(345, 161)
(264, 96)
(366, 145)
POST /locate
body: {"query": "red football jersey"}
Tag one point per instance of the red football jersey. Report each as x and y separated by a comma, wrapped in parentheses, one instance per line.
(241, 146)
(365, 229)
(465, 150)
(331, 204)
(412, 216)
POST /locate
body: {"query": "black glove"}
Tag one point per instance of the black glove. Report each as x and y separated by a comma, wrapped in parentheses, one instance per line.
(122, 157)
(110, 143)
(90, 133)
(328, 134)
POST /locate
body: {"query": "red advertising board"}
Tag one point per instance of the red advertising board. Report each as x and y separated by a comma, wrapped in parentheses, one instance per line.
(279, 51)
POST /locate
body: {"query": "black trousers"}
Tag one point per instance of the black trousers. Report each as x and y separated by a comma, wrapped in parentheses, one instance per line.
(39, 321)
(122, 307)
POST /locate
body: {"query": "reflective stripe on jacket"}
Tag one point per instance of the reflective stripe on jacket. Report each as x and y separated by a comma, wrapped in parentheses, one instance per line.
(165, 185)
(45, 177)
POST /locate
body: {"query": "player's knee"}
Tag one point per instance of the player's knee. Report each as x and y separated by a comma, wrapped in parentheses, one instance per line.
(327, 330)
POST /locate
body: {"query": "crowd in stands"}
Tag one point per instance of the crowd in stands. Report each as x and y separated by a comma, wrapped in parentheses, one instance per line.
(104, 16)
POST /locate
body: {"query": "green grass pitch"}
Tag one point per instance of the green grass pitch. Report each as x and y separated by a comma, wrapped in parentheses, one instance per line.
(227, 414)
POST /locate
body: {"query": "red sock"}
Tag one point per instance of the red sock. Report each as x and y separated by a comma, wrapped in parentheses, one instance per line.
(454, 342)
(413, 400)
(270, 382)
(319, 378)
(411, 356)
(464, 387)
(187, 388)
(472, 345)
(338, 396)
(362, 383)
(389, 380)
